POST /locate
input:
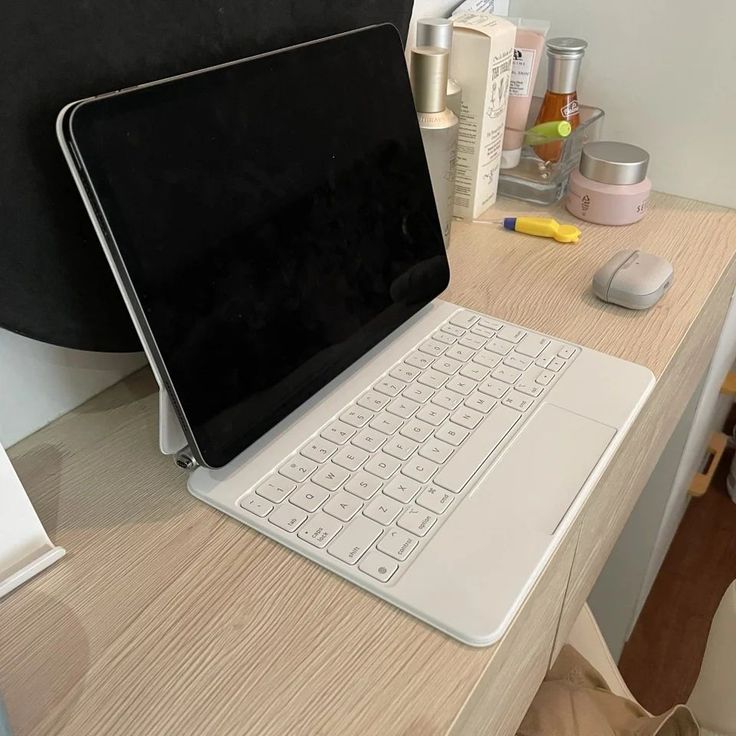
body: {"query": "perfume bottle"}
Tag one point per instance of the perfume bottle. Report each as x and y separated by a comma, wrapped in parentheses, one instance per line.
(564, 56)
(438, 32)
(438, 125)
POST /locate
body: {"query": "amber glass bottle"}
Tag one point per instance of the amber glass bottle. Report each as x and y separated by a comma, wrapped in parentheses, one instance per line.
(561, 99)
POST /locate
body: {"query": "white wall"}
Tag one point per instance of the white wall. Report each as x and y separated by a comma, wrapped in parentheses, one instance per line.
(39, 382)
(665, 73)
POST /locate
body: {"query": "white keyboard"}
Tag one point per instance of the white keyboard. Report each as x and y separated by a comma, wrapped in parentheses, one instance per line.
(374, 484)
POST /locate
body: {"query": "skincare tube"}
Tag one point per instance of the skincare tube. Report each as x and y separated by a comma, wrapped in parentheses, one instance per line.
(528, 51)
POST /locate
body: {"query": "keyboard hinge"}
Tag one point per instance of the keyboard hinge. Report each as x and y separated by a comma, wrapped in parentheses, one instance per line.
(185, 459)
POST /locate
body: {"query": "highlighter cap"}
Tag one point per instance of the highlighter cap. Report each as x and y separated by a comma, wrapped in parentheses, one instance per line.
(429, 66)
(435, 32)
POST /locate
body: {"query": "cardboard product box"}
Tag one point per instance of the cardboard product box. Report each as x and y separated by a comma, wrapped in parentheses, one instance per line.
(482, 53)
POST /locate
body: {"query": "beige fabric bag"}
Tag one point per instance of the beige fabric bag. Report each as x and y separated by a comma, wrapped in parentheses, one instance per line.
(574, 700)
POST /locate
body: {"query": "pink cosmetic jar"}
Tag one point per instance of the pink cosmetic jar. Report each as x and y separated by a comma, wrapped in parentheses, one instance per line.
(611, 185)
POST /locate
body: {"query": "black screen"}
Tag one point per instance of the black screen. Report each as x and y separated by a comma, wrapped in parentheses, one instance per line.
(275, 218)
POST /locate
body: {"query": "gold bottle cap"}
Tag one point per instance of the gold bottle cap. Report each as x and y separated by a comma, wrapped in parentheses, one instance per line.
(429, 67)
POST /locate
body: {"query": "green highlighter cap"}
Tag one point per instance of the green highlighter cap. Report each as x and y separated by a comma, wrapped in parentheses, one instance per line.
(553, 130)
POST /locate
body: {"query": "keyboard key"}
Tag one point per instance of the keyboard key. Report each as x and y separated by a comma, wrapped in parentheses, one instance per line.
(532, 345)
(338, 432)
(556, 365)
(458, 352)
(454, 474)
(479, 402)
(493, 388)
(386, 423)
(319, 449)
(544, 360)
(432, 348)
(401, 488)
(404, 372)
(355, 540)
(432, 378)
(474, 371)
(491, 324)
(416, 430)
(462, 385)
(435, 499)
(447, 365)
(419, 469)
(453, 330)
(506, 374)
(363, 485)
(499, 346)
(512, 334)
(483, 332)
(434, 449)
(343, 506)
(319, 529)
(350, 458)
(474, 342)
(356, 416)
(390, 386)
(256, 505)
(464, 319)
(299, 468)
(398, 544)
(451, 433)
(519, 362)
(566, 352)
(382, 465)
(526, 386)
(402, 407)
(330, 476)
(433, 415)
(444, 337)
(486, 358)
(517, 401)
(400, 447)
(415, 392)
(288, 517)
(468, 418)
(416, 520)
(383, 510)
(276, 488)
(378, 566)
(369, 439)
(309, 497)
(418, 360)
(373, 401)
(447, 399)
(545, 378)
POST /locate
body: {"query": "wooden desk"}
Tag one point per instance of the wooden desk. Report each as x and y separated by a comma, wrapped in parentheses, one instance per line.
(166, 617)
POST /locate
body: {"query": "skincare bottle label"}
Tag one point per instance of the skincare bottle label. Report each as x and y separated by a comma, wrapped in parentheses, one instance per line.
(521, 72)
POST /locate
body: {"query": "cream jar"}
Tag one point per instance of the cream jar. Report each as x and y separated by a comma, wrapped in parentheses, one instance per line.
(611, 186)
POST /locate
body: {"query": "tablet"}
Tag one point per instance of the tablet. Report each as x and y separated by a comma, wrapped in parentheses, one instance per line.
(271, 220)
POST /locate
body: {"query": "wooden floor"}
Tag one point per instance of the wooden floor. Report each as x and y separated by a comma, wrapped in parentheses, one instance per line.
(661, 660)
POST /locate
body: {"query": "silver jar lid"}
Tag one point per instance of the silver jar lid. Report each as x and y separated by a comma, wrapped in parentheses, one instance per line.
(610, 162)
(435, 32)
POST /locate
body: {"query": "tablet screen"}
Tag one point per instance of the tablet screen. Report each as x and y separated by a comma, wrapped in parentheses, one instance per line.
(273, 220)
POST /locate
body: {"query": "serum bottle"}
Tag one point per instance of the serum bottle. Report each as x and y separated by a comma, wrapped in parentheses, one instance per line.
(564, 56)
(438, 125)
(438, 32)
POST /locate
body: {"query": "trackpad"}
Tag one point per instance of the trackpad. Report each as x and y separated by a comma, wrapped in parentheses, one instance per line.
(549, 462)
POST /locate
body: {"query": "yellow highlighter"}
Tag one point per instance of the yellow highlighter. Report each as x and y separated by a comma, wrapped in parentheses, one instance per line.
(544, 227)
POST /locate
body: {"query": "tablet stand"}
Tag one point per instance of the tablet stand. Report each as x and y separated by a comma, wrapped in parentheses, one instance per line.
(25, 548)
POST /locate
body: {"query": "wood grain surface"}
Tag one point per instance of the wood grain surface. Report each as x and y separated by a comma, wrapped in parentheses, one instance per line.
(167, 617)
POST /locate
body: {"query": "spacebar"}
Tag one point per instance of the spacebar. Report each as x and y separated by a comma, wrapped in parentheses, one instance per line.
(476, 449)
